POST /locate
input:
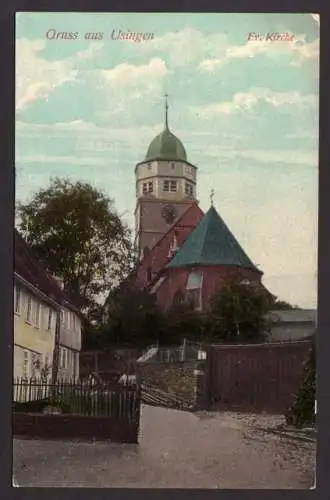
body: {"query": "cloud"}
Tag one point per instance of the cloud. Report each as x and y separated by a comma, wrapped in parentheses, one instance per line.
(128, 74)
(293, 157)
(299, 49)
(185, 46)
(86, 134)
(37, 78)
(245, 101)
(72, 160)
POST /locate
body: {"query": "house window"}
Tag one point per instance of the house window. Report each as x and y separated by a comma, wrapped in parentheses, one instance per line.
(50, 313)
(29, 308)
(26, 364)
(37, 314)
(188, 189)
(170, 186)
(75, 356)
(17, 303)
(35, 364)
(172, 165)
(147, 187)
(149, 166)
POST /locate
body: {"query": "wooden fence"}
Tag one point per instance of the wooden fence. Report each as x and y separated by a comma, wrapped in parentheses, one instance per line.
(254, 377)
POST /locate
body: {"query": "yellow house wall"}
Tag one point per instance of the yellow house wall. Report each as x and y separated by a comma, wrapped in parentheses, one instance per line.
(36, 339)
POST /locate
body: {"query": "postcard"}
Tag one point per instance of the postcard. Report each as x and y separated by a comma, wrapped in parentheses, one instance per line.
(165, 305)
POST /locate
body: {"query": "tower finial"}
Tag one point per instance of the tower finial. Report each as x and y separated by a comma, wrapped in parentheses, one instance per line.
(212, 196)
(166, 111)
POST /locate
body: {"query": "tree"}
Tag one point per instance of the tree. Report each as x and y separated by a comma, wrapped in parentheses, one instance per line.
(182, 321)
(282, 305)
(77, 234)
(238, 313)
(302, 411)
(132, 317)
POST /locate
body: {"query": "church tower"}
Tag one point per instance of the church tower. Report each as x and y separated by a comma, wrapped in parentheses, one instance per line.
(165, 188)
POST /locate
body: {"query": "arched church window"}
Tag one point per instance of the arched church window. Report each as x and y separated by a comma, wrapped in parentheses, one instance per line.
(146, 251)
(178, 298)
(195, 280)
(193, 292)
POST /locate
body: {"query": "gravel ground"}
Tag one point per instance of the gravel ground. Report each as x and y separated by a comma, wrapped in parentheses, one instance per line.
(177, 450)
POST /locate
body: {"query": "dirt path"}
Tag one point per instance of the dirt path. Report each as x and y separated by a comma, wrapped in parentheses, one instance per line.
(176, 450)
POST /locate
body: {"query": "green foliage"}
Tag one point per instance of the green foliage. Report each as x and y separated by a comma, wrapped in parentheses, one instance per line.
(133, 318)
(182, 321)
(77, 234)
(281, 305)
(302, 411)
(237, 313)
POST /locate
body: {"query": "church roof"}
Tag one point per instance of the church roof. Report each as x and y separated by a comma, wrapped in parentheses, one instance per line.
(211, 243)
(166, 146)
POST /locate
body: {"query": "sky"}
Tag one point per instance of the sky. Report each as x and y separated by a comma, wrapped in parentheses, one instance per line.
(244, 105)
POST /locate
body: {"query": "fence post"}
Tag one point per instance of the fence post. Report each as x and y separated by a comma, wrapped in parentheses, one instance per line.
(199, 375)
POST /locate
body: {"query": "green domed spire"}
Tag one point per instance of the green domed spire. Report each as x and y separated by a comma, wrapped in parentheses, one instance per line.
(165, 146)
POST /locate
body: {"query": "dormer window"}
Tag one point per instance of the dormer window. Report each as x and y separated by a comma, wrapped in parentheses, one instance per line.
(170, 186)
(147, 187)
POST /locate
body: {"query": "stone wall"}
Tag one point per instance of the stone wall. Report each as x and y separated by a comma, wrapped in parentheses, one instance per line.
(41, 426)
(175, 378)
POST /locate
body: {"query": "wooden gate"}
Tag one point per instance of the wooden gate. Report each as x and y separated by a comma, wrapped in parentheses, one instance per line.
(255, 377)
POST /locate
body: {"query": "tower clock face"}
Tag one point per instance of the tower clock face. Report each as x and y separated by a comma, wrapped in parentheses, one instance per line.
(169, 213)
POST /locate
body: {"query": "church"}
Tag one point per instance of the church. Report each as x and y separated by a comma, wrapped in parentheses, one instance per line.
(184, 254)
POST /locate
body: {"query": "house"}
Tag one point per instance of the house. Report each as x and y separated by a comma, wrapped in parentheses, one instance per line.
(39, 304)
(293, 324)
(70, 342)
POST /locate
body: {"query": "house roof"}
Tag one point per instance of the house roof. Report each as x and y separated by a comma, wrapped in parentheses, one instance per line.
(211, 243)
(293, 316)
(29, 268)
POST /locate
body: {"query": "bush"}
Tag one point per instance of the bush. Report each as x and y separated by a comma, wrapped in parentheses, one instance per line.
(302, 411)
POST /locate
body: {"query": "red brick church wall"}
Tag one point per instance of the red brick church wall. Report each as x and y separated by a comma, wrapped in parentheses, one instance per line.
(214, 280)
(157, 258)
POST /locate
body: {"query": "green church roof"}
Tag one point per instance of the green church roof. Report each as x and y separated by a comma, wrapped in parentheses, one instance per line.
(166, 146)
(211, 243)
